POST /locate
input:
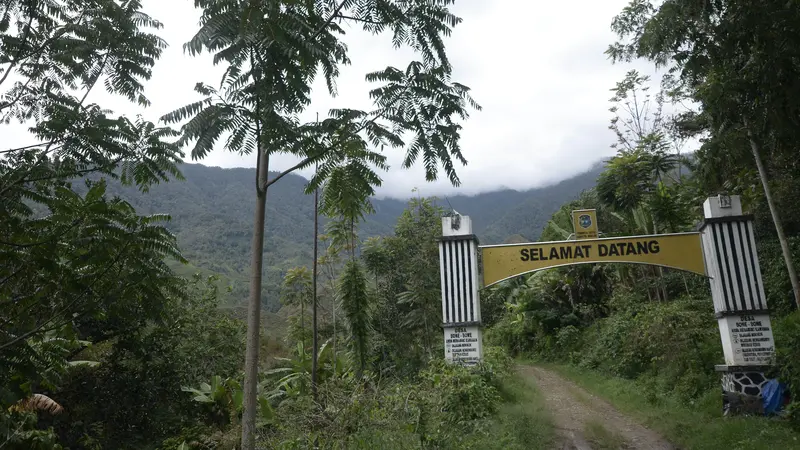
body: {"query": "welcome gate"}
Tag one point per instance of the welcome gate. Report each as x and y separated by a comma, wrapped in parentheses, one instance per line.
(723, 250)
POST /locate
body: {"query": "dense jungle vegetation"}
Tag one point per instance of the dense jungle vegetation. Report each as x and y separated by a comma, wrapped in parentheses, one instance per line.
(108, 338)
(655, 327)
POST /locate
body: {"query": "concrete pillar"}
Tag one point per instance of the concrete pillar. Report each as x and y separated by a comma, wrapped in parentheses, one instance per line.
(461, 307)
(740, 305)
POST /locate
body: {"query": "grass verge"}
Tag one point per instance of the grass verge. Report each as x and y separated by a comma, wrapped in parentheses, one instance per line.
(696, 426)
(393, 419)
(603, 439)
(522, 420)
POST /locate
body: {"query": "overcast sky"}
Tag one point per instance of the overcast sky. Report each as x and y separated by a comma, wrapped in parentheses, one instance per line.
(536, 67)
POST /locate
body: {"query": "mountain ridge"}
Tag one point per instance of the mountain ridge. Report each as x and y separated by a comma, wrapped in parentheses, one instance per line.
(212, 217)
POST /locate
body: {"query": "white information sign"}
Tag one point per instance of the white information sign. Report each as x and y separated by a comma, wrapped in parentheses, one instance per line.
(747, 340)
(463, 345)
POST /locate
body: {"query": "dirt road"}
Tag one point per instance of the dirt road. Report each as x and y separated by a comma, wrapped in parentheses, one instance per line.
(584, 421)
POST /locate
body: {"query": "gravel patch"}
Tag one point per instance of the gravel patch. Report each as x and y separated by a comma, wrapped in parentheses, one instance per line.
(573, 408)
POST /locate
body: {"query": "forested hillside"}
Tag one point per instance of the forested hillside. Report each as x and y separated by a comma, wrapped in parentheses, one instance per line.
(110, 339)
(212, 217)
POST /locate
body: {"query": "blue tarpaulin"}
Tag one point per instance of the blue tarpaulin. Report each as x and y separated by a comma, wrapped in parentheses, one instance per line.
(772, 396)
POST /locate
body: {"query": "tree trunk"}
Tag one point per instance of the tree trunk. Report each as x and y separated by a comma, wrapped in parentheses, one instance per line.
(427, 338)
(787, 253)
(254, 309)
(686, 285)
(661, 287)
(315, 343)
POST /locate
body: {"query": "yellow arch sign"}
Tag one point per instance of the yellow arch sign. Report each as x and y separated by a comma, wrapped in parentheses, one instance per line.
(682, 251)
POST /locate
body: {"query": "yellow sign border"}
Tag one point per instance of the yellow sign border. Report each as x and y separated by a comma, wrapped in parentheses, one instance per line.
(681, 251)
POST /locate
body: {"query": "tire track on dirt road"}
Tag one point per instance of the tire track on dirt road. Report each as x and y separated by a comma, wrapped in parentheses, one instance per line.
(586, 422)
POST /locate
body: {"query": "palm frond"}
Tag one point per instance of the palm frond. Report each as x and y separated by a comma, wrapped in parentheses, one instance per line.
(38, 402)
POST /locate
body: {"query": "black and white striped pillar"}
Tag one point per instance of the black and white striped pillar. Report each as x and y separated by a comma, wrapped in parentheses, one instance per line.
(461, 309)
(740, 304)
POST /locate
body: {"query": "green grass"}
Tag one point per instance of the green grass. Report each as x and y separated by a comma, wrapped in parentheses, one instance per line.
(691, 426)
(579, 395)
(522, 421)
(603, 439)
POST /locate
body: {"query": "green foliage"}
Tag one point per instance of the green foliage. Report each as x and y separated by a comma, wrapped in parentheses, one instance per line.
(726, 59)
(58, 47)
(297, 291)
(297, 286)
(787, 343)
(20, 431)
(466, 397)
(512, 333)
(676, 342)
(79, 266)
(272, 52)
(109, 254)
(354, 298)
(294, 375)
(542, 304)
(223, 396)
(776, 282)
(134, 394)
(626, 181)
(446, 406)
(746, 74)
(408, 302)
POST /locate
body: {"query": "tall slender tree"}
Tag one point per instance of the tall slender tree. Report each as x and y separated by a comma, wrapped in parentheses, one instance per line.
(349, 184)
(315, 331)
(329, 261)
(272, 50)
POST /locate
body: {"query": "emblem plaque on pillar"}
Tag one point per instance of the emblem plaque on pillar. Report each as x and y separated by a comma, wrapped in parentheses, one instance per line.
(740, 304)
(461, 311)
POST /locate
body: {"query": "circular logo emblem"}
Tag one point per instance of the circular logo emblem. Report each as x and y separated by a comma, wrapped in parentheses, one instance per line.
(585, 220)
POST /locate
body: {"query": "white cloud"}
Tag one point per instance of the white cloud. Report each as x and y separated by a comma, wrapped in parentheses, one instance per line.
(537, 68)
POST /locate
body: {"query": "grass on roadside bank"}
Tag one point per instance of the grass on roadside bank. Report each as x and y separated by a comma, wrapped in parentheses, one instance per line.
(522, 421)
(692, 426)
(445, 406)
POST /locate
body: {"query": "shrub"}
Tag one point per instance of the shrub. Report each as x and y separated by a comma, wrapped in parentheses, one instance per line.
(512, 333)
(787, 342)
(675, 343)
(462, 393)
(569, 341)
(134, 394)
(497, 363)
(777, 286)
